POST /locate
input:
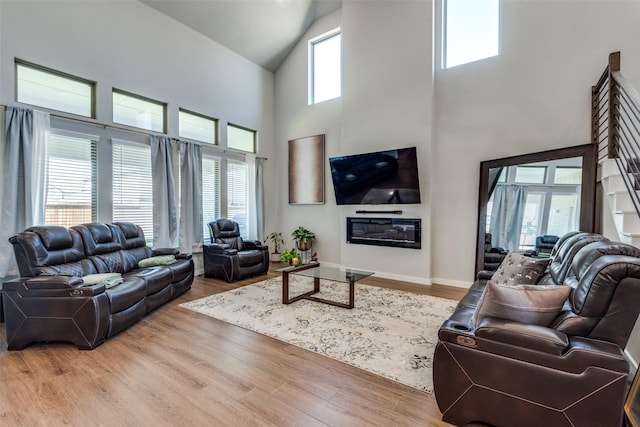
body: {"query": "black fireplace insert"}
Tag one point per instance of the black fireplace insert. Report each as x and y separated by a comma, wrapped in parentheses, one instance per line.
(393, 232)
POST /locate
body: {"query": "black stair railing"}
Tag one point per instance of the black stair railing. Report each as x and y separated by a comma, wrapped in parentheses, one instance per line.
(615, 125)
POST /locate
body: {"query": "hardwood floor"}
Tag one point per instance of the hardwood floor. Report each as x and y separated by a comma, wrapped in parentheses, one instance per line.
(180, 368)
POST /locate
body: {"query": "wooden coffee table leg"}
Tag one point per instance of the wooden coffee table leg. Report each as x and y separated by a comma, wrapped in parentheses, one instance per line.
(352, 286)
(285, 287)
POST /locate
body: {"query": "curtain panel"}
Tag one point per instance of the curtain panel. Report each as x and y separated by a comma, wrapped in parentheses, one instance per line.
(24, 174)
(190, 197)
(165, 213)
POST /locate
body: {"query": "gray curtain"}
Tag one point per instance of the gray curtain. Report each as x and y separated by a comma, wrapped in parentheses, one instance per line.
(23, 178)
(190, 197)
(506, 215)
(165, 215)
(255, 198)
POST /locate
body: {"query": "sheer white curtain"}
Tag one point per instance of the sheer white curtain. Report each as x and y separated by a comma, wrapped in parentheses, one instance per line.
(255, 198)
(23, 170)
(190, 197)
(165, 214)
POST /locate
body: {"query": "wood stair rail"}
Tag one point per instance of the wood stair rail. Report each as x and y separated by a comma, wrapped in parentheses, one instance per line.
(615, 125)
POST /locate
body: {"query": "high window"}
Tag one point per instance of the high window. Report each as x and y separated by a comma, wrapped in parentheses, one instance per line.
(325, 67)
(197, 126)
(70, 180)
(132, 187)
(52, 89)
(241, 138)
(471, 31)
(138, 111)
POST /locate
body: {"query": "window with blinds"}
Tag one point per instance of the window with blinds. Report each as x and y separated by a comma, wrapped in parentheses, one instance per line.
(210, 193)
(70, 180)
(132, 188)
(237, 194)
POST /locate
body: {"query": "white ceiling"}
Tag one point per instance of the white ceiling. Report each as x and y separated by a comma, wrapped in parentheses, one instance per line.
(263, 31)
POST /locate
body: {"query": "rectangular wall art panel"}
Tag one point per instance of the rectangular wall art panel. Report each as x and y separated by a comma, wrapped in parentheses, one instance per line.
(306, 170)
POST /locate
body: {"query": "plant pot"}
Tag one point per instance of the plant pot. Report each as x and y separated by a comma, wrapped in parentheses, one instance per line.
(275, 257)
(304, 245)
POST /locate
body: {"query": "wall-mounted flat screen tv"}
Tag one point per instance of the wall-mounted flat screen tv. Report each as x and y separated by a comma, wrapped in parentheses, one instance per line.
(383, 177)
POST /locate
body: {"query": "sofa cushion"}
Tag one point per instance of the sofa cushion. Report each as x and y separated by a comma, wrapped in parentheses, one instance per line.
(127, 294)
(517, 269)
(532, 304)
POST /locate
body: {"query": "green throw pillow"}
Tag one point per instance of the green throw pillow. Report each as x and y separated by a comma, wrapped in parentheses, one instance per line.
(108, 279)
(157, 260)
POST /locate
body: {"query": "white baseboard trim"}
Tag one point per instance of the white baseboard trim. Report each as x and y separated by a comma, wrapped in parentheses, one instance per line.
(449, 282)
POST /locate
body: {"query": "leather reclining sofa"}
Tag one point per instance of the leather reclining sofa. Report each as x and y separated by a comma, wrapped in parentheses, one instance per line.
(51, 302)
(571, 372)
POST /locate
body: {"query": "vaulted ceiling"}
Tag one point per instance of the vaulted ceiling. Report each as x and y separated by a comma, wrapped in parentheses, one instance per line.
(263, 31)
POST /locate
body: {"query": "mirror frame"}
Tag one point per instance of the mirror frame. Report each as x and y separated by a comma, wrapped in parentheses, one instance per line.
(588, 154)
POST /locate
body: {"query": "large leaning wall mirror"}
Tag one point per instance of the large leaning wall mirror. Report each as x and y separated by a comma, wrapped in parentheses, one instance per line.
(540, 194)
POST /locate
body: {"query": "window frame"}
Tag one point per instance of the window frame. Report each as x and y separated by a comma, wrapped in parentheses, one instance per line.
(444, 57)
(311, 64)
(140, 98)
(244, 128)
(216, 127)
(91, 83)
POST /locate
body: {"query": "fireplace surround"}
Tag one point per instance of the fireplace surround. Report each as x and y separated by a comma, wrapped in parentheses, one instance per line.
(392, 232)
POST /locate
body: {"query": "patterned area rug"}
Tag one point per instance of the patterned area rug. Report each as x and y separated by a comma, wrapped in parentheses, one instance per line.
(389, 332)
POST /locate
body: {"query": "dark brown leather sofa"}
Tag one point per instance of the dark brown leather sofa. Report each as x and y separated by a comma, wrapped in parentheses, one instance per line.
(572, 372)
(51, 302)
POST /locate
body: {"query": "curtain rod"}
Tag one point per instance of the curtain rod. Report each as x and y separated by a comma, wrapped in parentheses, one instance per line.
(133, 130)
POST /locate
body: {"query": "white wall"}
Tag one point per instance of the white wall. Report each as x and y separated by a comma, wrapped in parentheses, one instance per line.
(534, 96)
(130, 46)
(385, 104)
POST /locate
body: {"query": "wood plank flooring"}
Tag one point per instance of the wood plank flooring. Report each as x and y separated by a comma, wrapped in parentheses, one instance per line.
(180, 368)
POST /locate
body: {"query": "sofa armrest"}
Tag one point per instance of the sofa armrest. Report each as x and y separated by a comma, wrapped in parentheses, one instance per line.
(166, 251)
(52, 282)
(484, 274)
(219, 249)
(254, 244)
(523, 335)
(52, 286)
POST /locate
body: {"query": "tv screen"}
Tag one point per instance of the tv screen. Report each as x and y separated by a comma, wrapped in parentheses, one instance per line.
(383, 177)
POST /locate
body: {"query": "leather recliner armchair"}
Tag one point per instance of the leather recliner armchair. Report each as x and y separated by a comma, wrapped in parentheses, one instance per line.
(545, 244)
(492, 256)
(572, 372)
(230, 257)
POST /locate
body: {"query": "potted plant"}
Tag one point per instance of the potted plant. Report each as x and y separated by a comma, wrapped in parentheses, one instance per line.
(304, 238)
(288, 255)
(277, 241)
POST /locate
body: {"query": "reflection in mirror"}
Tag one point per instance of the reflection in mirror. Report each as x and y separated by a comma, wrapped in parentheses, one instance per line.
(531, 200)
(524, 201)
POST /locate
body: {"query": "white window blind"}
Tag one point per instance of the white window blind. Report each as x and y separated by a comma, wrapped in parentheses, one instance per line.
(210, 193)
(132, 188)
(237, 194)
(70, 180)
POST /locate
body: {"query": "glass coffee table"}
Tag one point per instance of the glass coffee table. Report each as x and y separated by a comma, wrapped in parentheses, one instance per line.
(317, 272)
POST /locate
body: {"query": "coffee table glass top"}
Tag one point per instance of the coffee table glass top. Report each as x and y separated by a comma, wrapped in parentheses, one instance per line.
(338, 274)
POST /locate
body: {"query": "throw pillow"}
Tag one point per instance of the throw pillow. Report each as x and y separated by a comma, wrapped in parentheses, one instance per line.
(157, 260)
(108, 279)
(530, 304)
(517, 269)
